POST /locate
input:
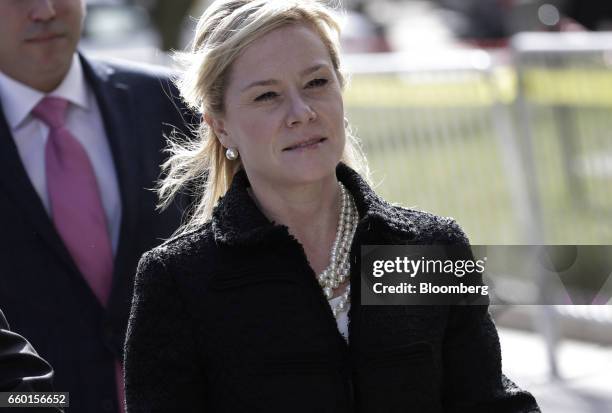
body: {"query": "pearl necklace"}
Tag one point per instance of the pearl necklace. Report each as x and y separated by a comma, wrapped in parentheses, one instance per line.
(338, 269)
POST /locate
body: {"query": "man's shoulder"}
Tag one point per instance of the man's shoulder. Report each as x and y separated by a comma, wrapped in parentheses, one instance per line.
(132, 74)
(151, 86)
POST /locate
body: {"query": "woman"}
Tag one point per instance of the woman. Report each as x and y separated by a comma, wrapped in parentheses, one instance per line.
(248, 308)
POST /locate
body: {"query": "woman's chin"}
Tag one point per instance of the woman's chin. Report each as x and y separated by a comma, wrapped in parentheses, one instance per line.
(310, 171)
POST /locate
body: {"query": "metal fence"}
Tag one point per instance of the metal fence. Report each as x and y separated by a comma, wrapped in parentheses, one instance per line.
(518, 149)
(517, 153)
(564, 111)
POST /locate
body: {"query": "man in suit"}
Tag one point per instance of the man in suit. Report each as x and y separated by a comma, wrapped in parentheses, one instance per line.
(81, 142)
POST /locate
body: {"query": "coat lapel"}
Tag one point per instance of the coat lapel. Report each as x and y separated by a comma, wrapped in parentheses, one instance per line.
(237, 221)
(115, 102)
(16, 183)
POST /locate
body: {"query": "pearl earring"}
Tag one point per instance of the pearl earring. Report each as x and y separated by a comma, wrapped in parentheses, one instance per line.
(231, 154)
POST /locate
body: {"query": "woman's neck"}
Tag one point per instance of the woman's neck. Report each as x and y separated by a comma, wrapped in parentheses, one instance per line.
(310, 212)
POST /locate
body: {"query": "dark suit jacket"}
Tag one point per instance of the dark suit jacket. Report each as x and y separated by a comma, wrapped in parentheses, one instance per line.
(230, 318)
(41, 289)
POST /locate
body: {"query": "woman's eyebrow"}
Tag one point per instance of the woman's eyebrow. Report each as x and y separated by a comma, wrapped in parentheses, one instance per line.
(271, 82)
(268, 82)
(312, 69)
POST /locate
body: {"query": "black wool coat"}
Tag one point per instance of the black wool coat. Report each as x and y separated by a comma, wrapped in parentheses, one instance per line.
(230, 318)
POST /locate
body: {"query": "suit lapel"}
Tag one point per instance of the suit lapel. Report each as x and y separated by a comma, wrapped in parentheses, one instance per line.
(115, 102)
(14, 178)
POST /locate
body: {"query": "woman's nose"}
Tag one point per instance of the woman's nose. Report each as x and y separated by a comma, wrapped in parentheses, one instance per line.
(300, 111)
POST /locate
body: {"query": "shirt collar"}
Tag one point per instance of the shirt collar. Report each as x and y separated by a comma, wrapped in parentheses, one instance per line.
(18, 99)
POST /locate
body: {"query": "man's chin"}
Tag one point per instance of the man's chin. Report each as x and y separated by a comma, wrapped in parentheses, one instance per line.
(43, 72)
(48, 50)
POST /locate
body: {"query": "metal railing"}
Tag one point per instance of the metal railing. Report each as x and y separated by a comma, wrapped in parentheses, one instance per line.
(518, 152)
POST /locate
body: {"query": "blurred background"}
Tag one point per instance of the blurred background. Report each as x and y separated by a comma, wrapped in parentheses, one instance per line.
(495, 112)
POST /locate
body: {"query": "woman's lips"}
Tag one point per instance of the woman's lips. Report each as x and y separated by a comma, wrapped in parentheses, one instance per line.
(308, 144)
(44, 38)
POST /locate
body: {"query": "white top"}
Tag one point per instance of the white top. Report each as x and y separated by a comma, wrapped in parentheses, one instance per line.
(83, 119)
(342, 318)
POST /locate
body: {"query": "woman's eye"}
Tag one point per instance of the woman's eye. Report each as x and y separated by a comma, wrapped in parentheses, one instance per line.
(266, 96)
(317, 83)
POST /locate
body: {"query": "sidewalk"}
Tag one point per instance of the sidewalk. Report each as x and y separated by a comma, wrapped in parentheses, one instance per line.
(586, 371)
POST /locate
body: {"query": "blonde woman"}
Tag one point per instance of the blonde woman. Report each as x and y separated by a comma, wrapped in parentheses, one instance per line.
(249, 308)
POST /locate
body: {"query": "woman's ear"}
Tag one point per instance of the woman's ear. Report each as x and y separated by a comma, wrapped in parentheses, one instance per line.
(218, 127)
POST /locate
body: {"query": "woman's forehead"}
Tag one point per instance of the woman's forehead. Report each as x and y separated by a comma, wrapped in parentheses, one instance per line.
(289, 50)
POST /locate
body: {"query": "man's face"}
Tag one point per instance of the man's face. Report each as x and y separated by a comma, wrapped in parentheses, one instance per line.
(38, 39)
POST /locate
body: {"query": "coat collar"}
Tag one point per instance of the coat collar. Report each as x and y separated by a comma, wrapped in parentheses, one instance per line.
(236, 220)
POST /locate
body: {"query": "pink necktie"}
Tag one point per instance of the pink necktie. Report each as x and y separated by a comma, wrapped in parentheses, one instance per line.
(76, 206)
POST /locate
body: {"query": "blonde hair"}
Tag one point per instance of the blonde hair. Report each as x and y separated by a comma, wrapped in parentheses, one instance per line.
(226, 28)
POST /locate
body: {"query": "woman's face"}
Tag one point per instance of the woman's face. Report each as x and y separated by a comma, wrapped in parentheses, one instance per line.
(283, 109)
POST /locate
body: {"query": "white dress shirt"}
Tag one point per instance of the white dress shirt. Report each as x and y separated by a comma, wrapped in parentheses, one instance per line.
(83, 119)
